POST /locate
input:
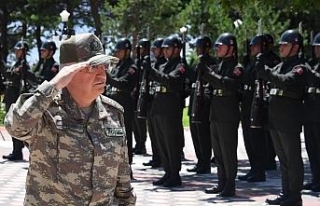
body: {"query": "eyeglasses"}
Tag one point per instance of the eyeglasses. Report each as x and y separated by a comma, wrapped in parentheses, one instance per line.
(95, 68)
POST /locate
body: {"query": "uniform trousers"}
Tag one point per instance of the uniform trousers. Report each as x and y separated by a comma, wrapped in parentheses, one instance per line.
(224, 137)
(288, 149)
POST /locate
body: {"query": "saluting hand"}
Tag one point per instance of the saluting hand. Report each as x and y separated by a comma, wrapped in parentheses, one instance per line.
(65, 75)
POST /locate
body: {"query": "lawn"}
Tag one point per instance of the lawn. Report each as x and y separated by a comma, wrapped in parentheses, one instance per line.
(185, 118)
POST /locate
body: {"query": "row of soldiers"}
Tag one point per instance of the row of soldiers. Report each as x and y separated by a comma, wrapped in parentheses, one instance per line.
(20, 78)
(228, 93)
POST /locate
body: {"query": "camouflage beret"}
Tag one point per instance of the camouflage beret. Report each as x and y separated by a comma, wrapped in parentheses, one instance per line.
(84, 47)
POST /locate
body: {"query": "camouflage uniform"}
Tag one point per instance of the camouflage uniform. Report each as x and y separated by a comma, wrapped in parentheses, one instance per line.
(76, 157)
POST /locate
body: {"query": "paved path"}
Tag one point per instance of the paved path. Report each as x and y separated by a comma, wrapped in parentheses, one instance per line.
(12, 178)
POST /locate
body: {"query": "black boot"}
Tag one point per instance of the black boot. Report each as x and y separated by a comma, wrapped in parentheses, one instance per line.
(214, 190)
(193, 169)
(13, 156)
(229, 190)
(277, 201)
(173, 181)
(245, 177)
(257, 177)
(162, 180)
(204, 170)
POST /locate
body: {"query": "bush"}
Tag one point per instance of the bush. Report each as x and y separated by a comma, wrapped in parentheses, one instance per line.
(2, 114)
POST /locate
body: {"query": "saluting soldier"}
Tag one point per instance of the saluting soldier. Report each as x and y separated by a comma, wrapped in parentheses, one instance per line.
(121, 82)
(159, 60)
(312, 120)
(166, 110)
(16, 83)
(224, 113)
(285, 112)
(200, 131)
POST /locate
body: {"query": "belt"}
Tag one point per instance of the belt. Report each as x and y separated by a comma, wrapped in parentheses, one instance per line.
(8, 83)
(281, 92)
(313, 90)
(221, 92)
(161, 89)
(247, 88)
(193, 86)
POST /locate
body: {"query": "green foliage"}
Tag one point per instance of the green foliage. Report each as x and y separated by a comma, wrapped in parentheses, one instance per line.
(185, 117)
(2, 114)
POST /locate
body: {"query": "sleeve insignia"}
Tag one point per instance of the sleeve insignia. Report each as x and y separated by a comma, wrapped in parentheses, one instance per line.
(131, 71)
(237, 72)
(299, 70)
(182, 69)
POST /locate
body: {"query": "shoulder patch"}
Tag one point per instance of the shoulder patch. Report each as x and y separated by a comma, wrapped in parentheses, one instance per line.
(237, 71)
(299, 70)
(131, 71)
(111, 102)
(182, 69)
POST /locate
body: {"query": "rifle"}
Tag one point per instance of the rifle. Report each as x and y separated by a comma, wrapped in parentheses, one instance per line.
(198, 95)
(258, 108)
(24, 86)
(246, 52)
(183, 31)
(144, 87)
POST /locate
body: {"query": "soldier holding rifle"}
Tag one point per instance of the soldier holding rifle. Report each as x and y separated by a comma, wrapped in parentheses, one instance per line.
(157, 52)
(285, 112)
(224, 113)
(199, 106)
(140, 95)
(166, 110)
(253, 111)
(16, 84)
(121, 82)
(311, 118)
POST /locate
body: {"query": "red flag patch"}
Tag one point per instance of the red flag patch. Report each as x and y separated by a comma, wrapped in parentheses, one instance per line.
(182, 69)
(237, 72)
(131, 71)
(299, 70)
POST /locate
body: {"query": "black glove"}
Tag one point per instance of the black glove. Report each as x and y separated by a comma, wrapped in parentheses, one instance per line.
(146, 63)
(201, 58)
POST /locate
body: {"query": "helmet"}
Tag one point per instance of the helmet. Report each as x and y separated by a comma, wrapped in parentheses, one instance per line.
(316, 40)
(259, 39)
(22, 45)
(145, 43)
(172, 41)
(269, 37)
(49, 45)
(123, 43)
(226, 39)
(203, 42)
(291, 36)
(157, 43)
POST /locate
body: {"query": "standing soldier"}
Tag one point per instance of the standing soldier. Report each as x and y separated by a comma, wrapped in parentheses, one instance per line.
(121, 82)
(285, 114)
(139, 124)
(16, 83)
(200, 131)
(254, 138)
(312, 120)
(224, 113)
(270, 161)
(166, 111)
(157, 52)
(2, 73)
(47, 67)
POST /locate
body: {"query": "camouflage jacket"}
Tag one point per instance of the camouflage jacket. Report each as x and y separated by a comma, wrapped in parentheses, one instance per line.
(73, 160)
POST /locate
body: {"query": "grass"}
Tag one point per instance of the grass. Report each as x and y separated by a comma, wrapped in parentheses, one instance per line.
(185, 117)
(2, 114)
